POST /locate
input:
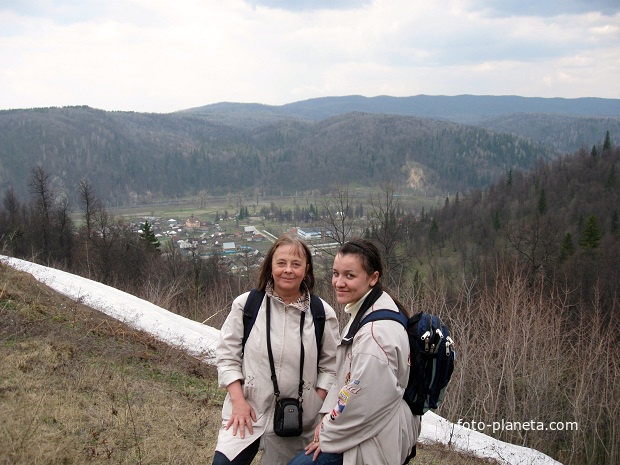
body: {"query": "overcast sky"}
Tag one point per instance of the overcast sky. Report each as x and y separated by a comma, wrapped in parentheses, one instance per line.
(162, 56)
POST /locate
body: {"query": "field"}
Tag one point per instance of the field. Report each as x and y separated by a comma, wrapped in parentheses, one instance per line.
(206, 207)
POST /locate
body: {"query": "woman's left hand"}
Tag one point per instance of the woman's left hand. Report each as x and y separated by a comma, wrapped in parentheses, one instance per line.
(315, 445)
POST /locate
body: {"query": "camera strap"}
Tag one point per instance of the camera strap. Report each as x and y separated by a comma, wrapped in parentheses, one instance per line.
(274, 379)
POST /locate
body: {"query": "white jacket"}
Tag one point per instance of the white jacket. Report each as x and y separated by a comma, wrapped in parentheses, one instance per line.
(367, 419)
(255, 373)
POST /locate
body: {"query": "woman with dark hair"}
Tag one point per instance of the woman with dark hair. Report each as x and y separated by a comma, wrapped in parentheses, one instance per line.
(366, 420)
(281, 343)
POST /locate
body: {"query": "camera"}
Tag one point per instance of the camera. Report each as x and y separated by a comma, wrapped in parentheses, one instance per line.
(287, 420)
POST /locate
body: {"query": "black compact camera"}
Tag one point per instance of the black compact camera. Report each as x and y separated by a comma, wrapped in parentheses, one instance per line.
(287, 420)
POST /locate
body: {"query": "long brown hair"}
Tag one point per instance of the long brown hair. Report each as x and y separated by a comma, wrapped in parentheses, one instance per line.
(265, 272)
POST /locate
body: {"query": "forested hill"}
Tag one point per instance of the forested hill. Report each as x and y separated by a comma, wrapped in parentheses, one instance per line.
(560, 132)
(532, 261)
(562, 124)
(560, 220)
(134, 157)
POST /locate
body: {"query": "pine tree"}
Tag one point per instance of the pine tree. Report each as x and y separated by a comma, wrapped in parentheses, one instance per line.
(496, 221)
(591, 237)
(359, 210)
(568, 248)
(607, 143)
(148, 235)
(542, 202)
(594, 151)
(611, 179)
(433, 233)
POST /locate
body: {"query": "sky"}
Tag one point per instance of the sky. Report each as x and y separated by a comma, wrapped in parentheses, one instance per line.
(162, 56)
(199, 340)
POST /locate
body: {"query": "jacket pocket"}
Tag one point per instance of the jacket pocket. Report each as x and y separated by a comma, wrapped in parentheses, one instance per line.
(311, 405)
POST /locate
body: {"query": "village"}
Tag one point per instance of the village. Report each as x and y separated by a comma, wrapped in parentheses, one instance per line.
(239, 247)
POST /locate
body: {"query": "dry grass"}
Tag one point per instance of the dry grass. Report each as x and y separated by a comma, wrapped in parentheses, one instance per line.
(78, 387)
(439, 454)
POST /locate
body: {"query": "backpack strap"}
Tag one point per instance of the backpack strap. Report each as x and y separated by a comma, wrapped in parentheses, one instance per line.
(385, 314)
(252, 306)
(318, 316)
(250, 310)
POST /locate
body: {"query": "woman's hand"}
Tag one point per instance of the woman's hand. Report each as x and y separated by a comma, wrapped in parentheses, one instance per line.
(315, 446)
(242, 412)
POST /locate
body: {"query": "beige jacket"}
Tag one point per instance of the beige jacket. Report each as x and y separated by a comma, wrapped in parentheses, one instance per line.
(254, 372)
(366, 418)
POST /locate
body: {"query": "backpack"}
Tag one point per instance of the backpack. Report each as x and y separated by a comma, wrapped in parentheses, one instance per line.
(252, 305)
(432, 357)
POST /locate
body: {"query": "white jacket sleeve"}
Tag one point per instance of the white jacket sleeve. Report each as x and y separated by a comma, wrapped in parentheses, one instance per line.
(229, 347)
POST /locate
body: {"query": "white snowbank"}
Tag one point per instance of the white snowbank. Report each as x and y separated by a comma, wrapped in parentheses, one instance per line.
(191, 336)
(438, 429)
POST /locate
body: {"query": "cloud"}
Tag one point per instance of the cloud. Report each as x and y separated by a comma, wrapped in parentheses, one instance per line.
(153, 55)
(305, 5)
(547, 8)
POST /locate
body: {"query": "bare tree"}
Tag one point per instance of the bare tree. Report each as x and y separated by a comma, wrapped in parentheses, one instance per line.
(103, 241)
(12, 233)
(40, 187)
(89, 203)
(202, 195)
(91, 206)
(337, 214)
(386, 231)
(537, 242)
(63, 232)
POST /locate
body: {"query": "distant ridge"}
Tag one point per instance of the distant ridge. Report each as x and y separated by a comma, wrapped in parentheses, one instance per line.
(469, 109)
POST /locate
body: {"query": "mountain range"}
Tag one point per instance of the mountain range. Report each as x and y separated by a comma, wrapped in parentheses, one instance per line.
(433, 144)
(470, 109)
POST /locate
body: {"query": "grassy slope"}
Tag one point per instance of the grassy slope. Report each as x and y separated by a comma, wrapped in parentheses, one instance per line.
(79, 387)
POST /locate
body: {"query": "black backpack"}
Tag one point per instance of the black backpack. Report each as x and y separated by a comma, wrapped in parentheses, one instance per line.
(432, 357)
(252, 305)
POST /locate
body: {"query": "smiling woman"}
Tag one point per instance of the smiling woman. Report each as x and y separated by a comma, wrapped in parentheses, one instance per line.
(294, 367)
(365, 417)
